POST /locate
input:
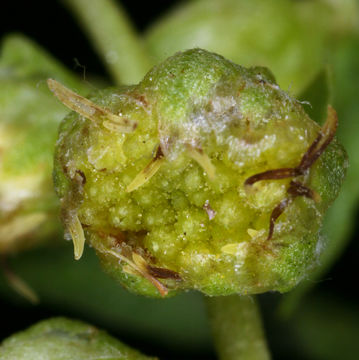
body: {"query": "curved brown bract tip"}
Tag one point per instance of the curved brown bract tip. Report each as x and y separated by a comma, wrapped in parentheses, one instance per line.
(277, 211)
(315, 150)
(275, 174)
(324, 138)
(321, 142)
(297, 189)
(162, 273)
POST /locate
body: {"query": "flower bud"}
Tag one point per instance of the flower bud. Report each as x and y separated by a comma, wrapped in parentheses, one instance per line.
(65, 339)
(29, 118)
(205, 175)
(287, 36)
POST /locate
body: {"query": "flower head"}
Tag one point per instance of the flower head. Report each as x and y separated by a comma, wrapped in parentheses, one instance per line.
(205, 175)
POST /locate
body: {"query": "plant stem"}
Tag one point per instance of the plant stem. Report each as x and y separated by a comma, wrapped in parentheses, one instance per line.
(237, 328)
(114, 38)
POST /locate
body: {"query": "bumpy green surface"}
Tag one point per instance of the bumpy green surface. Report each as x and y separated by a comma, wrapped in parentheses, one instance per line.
(63, 339)
(245, 124)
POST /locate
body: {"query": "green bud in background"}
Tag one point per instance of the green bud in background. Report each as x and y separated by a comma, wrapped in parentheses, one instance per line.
(29, 118)
(205, 175)
(65, 339)
(290, 37)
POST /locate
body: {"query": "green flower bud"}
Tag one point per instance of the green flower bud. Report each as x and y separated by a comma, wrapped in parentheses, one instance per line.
(29, 118)
(287, 36)
(203, 176)
(65, 339)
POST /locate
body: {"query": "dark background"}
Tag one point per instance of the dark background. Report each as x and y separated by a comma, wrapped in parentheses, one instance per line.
(53, 27)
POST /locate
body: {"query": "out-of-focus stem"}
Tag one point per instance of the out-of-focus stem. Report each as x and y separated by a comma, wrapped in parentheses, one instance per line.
(237, 328)
(16, 283)
(114, 38)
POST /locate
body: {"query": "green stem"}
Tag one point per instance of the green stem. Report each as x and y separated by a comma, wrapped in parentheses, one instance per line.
(237, 328)
(114, 38)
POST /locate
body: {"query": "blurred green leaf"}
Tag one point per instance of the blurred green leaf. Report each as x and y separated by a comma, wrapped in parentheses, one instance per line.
(286, 36)
(317, 96)
(82, 289)
(327, 328)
